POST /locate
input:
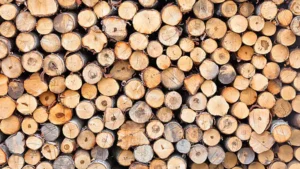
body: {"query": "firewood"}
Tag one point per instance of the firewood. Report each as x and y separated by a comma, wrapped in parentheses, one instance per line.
(40, 115)
(246, 9)
(92, 73)
(106, 57)
(284, 17)
(186, 44)
(169, 35)
(155, 98)
(115, 28)
(25, 22)
(286, 37)
(94, 40)
(293, 25)
(122, 50)
(281, 131)
(216, 155)
(82, 159)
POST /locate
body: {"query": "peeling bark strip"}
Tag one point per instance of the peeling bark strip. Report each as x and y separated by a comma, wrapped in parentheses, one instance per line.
(149, 84)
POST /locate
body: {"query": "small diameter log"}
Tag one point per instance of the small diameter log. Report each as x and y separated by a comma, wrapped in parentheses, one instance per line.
(68, 145)
(203, 13)
(25, 22)
(183, 146)
(32, 61)
(173, 100)
(173, 132)
(219, 110)
(51, 43)
(106, 57)
(163, 62)
(233, 144)
(195, 27)
(7, 107)
(246, 155)
(50, 132)
(94, 40)
(131, 134)
(54, 65)
(259, 120)
(155, 98)
(95, 124)
(87, 18)
(268, 10)
(71, 41)
(27, 41)
(138, 41)
(256, 23)
(193, 133)
(16, 161)
(34, 85)
(281, 131)
(99, 153)
(92, 73)
(99, 164)
(123, 50)
(103, 102)
(231, 41)
(115, 28)
(176, 162)
(197, 55)
(89, 91)
(108, 86)
(72, 128)
(294, 27)
(286, 37)
(164, 114)
(249, 38)
(34, 142)
(9, 11)
(192, 83)
(245, 53)
(45, 8)
(143, 153)
(169, 35)
(204, 121)
(63, 161)
(82, 159)
(212, 32)
(221, 56)
(16, 143)
(85, 109)
(216, 155)
(261, 142)
(198, 153)
(60, 21)
(113, 118)
(163, 148)
(127, 10)
(246, 9)
(230, 94)
(284, 18)
(143, 23)
(60, 114)
(122, 70)
(8, 29)
(174, 52)
(269, 29)
(86, 140)
(209, 69)
(32, 157)
(140, 112)
(11, 66)
(266, 157)
(157, 163)
(29, 126)
(124, 103)
(227, 124)
(40, 115)
(171, 14)
(285, 153)
(124, 157)
(44, 26)
(50, 150)
(187, 115)
(44, 165)
(230, 160)
(154, 129)
(69, 98)
(102, 9)
(26, 104)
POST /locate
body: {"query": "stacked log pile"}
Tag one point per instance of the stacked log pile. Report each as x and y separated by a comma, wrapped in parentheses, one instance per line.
(149, 84)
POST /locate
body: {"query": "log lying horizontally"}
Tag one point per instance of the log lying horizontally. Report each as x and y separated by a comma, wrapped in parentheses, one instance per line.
(149, 84)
